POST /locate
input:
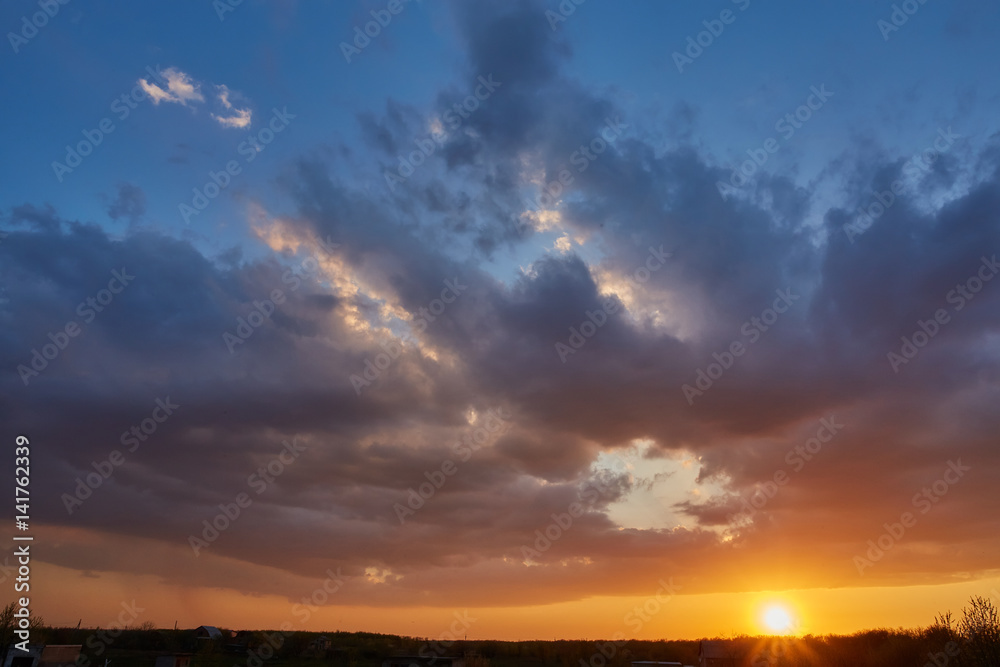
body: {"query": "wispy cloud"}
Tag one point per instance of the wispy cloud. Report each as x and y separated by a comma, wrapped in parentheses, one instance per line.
(181, 88)
(238, 118)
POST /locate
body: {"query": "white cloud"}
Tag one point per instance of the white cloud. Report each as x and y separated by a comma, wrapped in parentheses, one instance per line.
(239, 117)
(563, 244)
(224, 95)
(181, 88)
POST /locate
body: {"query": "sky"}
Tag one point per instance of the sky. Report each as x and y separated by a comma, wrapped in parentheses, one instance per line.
(570, 318)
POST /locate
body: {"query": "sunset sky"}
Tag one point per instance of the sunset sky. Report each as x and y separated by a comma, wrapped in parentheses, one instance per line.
(570, 318)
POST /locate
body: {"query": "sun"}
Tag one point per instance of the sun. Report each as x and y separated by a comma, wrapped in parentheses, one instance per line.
(778, 620)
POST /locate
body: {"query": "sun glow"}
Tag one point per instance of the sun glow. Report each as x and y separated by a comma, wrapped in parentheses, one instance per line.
(778, 620)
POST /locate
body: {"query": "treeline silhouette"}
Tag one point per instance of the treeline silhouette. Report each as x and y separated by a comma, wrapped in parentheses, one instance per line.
(972, 640)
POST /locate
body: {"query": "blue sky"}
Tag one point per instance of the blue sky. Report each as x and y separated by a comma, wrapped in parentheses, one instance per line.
(891, 95)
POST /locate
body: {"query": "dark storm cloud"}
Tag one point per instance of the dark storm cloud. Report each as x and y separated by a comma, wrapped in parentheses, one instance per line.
(129, 204)
(385, 133)
(162, 336)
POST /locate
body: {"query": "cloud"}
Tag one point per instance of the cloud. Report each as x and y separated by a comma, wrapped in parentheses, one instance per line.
(180, 89)
(129, 203)
(494, 347)
(240, 118)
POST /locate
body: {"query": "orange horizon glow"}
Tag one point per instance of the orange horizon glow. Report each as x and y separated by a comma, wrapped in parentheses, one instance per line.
(69, 597)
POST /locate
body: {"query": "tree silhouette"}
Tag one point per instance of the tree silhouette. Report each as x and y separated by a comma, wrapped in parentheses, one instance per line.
(979, 628)
(8, 623)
